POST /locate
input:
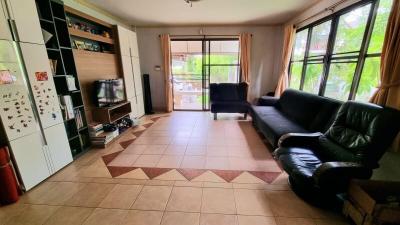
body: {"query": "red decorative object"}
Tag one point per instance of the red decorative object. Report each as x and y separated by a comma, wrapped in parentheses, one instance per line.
(8, 182)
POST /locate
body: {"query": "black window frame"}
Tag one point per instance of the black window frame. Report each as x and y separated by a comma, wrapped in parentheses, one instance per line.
(329, 56)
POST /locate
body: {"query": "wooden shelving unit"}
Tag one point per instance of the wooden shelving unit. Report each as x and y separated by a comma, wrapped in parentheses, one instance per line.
(53, 20)
(113, 113)
(87, 35)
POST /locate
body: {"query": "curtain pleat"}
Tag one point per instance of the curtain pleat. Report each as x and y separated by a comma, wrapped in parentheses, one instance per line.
(288, 41)
(166, 54)
(388, 93)
(245, 56)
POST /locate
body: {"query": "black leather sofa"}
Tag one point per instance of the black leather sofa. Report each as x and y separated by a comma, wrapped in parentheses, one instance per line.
(229, 98)
(323, 164)
(294, 112)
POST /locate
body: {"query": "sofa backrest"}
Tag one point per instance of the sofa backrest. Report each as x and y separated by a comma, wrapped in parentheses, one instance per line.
(228, 92)
(313, 112)
(361, 132)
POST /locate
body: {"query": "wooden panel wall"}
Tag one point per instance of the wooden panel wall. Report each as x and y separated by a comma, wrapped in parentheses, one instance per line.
(92, 66)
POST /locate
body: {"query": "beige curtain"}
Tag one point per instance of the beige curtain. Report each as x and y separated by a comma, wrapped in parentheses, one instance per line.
(288, 41)
(388, 93)
(245, 56)
(166, 54)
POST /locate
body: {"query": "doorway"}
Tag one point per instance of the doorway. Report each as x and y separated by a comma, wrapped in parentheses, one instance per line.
(198, 62)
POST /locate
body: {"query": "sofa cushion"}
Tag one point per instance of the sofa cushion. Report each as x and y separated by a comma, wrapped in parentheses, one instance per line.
(273, 123)
(228, 92)
(313, 112)
(229, 107)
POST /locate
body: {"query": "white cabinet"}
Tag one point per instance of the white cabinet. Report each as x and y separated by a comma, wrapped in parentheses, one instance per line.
(137, 75)
(5, 33)
(124, 42)
(128, 77)
(58, 147)
(133, 44)
(131, 70)
(29, 155)
(24, 14)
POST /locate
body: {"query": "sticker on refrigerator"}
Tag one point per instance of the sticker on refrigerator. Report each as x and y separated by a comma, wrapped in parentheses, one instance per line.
(41, 76)
(6, 77)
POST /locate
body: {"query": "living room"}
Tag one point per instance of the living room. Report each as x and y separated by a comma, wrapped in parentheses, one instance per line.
(200, 112)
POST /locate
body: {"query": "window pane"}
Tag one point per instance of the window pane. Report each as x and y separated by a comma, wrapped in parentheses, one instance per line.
(224, 74)
(319, 39)
(351, 30)
(340, 79)
(312, 79)
(295, 75)
(224, 52)
(300, 45)
(378, 33)
(369, 79)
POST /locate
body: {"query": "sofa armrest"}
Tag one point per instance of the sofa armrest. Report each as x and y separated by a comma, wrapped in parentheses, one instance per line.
(267, 101)
(299, 139)
(337, 175)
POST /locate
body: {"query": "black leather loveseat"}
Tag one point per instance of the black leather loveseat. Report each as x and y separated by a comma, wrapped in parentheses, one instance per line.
(229, 98)
(294, 112)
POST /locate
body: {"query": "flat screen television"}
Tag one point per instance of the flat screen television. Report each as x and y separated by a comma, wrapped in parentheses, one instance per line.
(108, 92)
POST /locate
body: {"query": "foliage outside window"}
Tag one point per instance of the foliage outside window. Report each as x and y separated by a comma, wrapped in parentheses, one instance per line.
(340, 56)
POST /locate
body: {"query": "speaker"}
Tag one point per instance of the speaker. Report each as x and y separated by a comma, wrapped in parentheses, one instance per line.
(148, 105)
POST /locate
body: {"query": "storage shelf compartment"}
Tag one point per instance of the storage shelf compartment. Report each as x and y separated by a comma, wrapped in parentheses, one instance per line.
(112, 114)
(87, 35)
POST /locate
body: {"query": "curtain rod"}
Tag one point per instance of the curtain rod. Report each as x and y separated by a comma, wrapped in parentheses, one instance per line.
(330, 8)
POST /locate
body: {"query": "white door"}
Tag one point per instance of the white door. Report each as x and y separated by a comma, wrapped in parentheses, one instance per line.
(124, 45)
(140, 105)
(30, 159)
(26, 20)
(128, 77)
(137, 75)
(42, 83)
(58, 146)
(133, 44)
(5, 33)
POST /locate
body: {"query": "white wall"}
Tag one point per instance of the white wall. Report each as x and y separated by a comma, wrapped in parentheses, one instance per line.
(266, 50)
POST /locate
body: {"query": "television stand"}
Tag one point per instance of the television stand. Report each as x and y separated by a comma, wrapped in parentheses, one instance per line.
(111, 114)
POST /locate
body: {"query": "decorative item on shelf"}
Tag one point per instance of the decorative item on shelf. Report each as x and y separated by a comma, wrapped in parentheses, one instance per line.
(53, 66)
(69, 23)
(46, 35)
(79, 45)
(106, 34)
(71, 83)
(78, 119)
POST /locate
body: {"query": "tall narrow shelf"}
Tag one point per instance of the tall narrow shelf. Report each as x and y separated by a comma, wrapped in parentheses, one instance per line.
(53, 20)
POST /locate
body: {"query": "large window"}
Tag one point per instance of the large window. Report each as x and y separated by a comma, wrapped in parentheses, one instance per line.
(339, 56)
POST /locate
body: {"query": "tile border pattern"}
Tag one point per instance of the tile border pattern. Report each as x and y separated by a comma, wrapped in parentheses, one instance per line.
(189, 174)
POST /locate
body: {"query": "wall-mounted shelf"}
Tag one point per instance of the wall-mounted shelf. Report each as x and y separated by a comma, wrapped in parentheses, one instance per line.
(87, 35)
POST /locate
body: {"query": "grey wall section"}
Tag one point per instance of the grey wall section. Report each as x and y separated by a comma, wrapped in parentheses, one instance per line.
(266, 55)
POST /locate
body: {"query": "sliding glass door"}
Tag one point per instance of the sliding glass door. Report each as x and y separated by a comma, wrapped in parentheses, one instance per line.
(196, 64)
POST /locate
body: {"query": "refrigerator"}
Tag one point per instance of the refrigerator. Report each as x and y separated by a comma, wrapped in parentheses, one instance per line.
(31, 118)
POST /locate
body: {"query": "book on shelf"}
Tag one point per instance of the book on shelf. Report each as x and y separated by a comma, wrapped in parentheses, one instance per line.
(67, 106)
(71, 83)
(78, 119)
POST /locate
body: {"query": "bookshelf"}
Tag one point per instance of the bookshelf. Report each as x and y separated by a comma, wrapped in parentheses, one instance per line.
(53, 20)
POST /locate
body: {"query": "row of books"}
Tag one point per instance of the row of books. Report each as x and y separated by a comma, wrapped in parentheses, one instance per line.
(67, 107)
(78, 119)
(99, 137)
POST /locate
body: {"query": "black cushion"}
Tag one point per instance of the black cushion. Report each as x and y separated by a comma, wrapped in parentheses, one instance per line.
(229, 107)
(229, 98)
(273, 123)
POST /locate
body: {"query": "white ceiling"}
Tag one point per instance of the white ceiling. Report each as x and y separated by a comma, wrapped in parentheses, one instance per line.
(204, 12)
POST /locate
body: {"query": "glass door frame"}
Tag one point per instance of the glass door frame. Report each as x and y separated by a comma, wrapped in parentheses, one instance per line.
(205, 69)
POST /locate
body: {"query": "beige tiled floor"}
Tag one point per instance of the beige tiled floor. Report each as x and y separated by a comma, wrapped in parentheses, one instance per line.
(85, 193)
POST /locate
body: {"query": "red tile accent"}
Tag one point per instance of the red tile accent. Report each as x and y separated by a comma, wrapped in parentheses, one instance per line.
(116, 171)
(267, 177)
(227, 175)
(125, 144)
(110, 157)
(190, 174)
(155, 172)
(138, 133)
(147, 125)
